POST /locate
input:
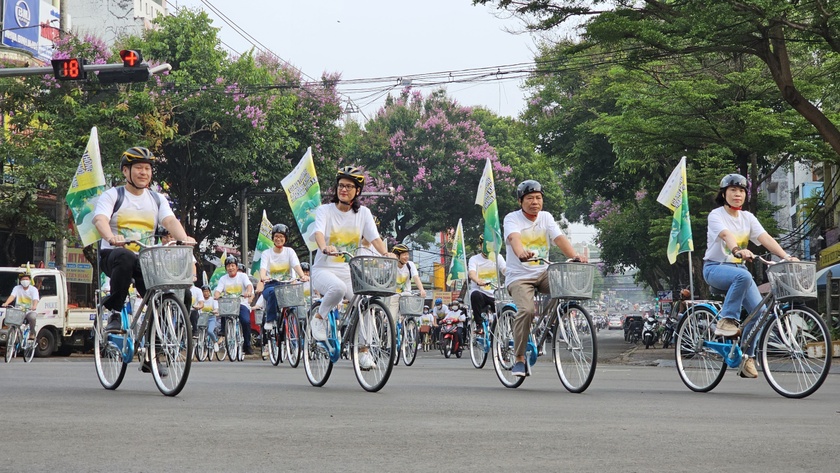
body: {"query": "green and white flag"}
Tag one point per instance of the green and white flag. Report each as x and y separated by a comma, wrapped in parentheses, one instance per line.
(486, 198)
(674, 195)
(264, 243)
(84, 191)
(218, 273)
(304, 193)
(458, 267)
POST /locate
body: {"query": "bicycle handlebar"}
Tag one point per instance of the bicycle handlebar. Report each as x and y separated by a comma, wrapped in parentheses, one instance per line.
(143, 245)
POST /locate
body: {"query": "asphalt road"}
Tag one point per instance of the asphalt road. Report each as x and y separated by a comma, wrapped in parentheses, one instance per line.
(436, 415)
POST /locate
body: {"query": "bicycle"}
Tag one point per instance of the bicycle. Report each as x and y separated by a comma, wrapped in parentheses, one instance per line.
(367, 325)
(18, 338)
(794, 344)
(234, 339)
(407, 334)
(285, 340)
(160, 327)
(559, 319)
(481, 343)
(204, 342)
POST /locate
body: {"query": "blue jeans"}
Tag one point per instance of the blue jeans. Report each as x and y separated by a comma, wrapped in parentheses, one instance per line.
(741, 291)
(270, 302)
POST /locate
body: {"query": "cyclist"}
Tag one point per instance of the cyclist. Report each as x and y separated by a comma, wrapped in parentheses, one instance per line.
(406, 274)
(25, 296)
(130, 212)
(528, 233)
(211, 306)
(730, 231)
(340, 226)
(482, 273)
(278, 264)
(237, 283)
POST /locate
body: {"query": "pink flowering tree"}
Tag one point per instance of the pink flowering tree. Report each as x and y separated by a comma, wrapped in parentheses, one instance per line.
(432, 152)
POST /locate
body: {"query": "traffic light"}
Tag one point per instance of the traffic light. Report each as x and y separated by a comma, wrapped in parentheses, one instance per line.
(69, 69)
(134, 69)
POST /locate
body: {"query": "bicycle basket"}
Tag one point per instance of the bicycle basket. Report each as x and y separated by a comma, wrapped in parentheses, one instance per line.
(793, 280)
(373, 275)
(229, 306)
(501, 298)
(289, 295)
(411, 305)
(14, 317)
(203, 320)
(167, 267)
(571, 280)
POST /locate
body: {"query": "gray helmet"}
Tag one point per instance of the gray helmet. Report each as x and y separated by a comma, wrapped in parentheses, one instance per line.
(528, 187)
(733, 180)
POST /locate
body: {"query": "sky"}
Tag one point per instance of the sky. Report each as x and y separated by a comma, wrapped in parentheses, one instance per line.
(373, 39)
(367, 39)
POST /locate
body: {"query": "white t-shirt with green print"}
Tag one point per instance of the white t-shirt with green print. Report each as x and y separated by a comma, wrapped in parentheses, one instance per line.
(136, 219)
(745, 227)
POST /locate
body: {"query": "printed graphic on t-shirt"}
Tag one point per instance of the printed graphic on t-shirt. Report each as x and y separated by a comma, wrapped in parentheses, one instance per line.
(487, 274)
(536, 241)
(136, 225)
(279, 271)
(344, 239)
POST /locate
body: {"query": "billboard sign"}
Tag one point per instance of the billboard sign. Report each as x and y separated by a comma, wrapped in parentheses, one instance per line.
(30, 26)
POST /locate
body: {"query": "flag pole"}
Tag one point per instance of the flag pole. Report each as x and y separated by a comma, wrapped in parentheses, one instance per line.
(691, 276)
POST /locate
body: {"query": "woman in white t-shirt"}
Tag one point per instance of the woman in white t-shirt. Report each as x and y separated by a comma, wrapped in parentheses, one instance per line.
(235, 283)
(730, 231)
(279, 264)
(339, 227)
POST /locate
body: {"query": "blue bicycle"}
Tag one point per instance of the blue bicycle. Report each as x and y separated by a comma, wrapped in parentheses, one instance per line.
(365, 329)
(563, 320)
(411, 307)
(18, 338)
(158, 331)
(794, 344)
(480, 337)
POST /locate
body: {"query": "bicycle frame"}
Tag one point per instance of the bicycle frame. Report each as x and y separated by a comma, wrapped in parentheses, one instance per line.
(547, 319)
(350, 319)
(733, 353)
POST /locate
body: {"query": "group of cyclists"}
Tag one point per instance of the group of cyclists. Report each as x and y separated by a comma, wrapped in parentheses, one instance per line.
(134, 211)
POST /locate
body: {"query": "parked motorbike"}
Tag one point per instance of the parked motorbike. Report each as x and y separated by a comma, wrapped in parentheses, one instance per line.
(668, 333)
(649, 332)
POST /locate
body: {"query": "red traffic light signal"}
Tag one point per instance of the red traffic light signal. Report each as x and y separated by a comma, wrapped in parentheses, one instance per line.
(131, 58)
(69, 69)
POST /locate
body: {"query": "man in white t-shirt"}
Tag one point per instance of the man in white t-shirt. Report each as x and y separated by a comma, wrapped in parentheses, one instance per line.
(236, 283)
(26, 297)
(130, 212)
(528, 233)
(483, 277)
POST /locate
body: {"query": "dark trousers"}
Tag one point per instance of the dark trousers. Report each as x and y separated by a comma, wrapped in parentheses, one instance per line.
(478, 301)
(121, 266)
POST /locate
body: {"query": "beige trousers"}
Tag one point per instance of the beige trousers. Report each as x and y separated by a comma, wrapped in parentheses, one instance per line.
(522, 291)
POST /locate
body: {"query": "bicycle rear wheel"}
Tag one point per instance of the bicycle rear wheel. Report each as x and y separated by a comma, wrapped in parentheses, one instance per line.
(373, 331)
(28, 348)
(11, 343)
(502, 348)
(795, 352)
(292, 339)
(575, 348)
(700, 368)
(316, 357)
(107, 356)
(478, 344)
(409, 342)
(170, 345)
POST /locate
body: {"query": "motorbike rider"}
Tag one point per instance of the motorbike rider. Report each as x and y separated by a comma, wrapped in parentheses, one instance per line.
(455, 316)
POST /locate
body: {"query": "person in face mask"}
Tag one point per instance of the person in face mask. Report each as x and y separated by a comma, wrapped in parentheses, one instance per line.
(26, 297)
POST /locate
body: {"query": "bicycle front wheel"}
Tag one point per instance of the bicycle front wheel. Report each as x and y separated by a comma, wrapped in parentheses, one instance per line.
(502, 347)
(478, 344)
(170, 345)
(11, 343)
(274, 346)
(373, 341)
(292, 340)
(107, 357)
(230, 339)
(796, 352)
(700, 368)
(316, 357)
(201, 345)
(575, 348)
(409, 342)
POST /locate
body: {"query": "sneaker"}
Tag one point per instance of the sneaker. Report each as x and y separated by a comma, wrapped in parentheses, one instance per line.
(249, 351)
(319, 329)
(264, 352)
(727, 328)
(162, 369)
(519, 369)
(366, 361)
(114, 323)
(748, 369)
(215, 347)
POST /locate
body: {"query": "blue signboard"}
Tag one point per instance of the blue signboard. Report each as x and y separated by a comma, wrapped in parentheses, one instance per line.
(21, 24)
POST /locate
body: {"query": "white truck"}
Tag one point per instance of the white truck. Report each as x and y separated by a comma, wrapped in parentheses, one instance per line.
(60, 328)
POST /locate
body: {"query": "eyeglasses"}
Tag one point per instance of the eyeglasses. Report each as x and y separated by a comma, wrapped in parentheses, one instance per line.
(346, 187)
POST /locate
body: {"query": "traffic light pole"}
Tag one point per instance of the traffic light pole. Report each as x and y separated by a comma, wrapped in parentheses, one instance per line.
(37, 71)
